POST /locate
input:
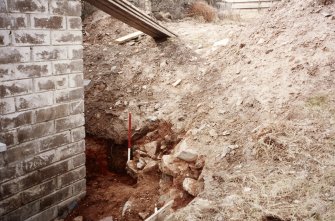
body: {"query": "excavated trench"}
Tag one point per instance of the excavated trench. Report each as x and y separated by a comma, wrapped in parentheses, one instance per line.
(131, 192)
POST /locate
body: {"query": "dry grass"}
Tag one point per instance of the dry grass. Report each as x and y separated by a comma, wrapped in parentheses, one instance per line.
(202, 9)
(325, 2)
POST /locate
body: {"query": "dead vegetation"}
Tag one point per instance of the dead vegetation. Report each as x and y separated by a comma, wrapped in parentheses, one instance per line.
(203, 10)
(259, 105)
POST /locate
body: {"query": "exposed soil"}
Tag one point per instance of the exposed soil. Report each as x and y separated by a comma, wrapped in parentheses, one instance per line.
(107, 191)
(256, 98)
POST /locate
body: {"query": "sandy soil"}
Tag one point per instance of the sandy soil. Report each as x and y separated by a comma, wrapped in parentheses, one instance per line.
(260, 105)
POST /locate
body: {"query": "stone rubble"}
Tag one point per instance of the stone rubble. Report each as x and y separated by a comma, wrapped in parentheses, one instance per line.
(180, 166)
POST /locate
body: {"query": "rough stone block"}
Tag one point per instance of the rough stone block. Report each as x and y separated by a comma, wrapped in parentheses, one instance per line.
(78, 134)
(32, 70)
(70, 150)
(56, 197)
(76, 80)
(46, 53)
(18, 87)
(75, 52)
(74, 23)
(31, 37)
(5, 38)
(38, 191)
(35, 131)
(69, 95)
(36, 6)
(10, 55)
(14, 120)
(34, 101)
(51, 113)
(69, 122)
(77, 107)
(48, 22)
(7, 105)
(68, 8)
(66, 37)
(54, 141)
(72, 176)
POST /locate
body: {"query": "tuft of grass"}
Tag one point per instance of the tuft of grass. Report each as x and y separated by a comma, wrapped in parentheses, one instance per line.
(317, 101)
(325, 2)
(202, 9)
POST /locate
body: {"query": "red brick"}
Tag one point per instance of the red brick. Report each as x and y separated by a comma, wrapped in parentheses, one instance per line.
(66, 37)
(69, 95)
(5, 38)
(74, 23)
(9, 138)
(70, 150)
(39, 191)
(14, 120)
(22, 151)
(75, 52)
(35, 131)
(54, 141)
(51, 113)
(46, 53)
(65, 7)
(7, 105)
(10, 55)
(48, 22)
(18, 87)
(69, 122)
(31, 37)
(30, 70)
(28, 6)
(38, 161)
(13, 21)
(34, 101)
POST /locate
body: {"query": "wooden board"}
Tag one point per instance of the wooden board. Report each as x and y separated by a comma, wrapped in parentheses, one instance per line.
(129, 14)
(129, 37)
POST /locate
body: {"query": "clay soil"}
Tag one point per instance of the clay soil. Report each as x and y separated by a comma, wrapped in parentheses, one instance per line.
(257, 98)
(107, 191)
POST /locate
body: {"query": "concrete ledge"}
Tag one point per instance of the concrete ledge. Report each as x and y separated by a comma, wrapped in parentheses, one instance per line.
(3, 147)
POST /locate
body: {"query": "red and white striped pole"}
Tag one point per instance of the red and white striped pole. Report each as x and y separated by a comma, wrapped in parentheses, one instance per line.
(129, 135)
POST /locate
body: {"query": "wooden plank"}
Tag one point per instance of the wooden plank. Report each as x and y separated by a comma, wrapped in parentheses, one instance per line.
(161, 213)
(251, 5)
(129, 14)
(129, 37)
(250, 1)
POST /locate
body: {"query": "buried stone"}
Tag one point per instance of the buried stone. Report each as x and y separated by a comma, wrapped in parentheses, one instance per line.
(192, 186)
(185, 153)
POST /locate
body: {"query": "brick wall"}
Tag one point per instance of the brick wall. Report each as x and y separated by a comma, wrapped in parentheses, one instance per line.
(42, 172)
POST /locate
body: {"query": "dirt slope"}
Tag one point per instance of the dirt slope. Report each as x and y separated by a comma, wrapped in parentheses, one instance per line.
(261, 108)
